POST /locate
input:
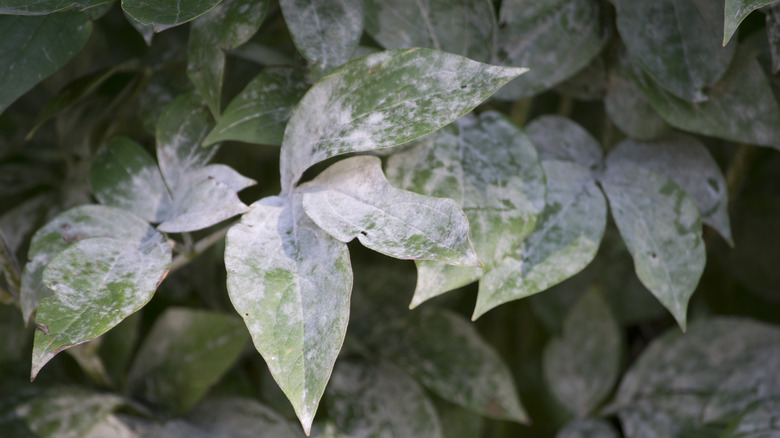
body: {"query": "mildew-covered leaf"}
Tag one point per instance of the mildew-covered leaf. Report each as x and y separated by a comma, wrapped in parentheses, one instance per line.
(561, 139)
(629, 109)
(291, 282)
(591, 428)
(125, 176)
(241, 418)
(260, 111)
(225, 175)
(164, 14)
(32, 48)
(43, 7)
(465, 370)
(326, 32)
(353, 199)
(227, 26)
(366, 399)
(201, 201)
(661, 227)
(583, 365)
(555, 39)
(688, 163)
(677, 42)
(736, 11)
(466, 28)
(97, 282)
(564, 241)
(382, 100)
(183, 355)
(760, 421)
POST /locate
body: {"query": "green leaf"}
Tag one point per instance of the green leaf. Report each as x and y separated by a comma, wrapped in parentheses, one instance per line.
(353, 199)
(561, 139)
(472, 375)
(759, 421)
(582, 365)
(366, 399)
(591, 428)
(184, 354)
(589, 84)
(383, 100)
(555, 39)
(686, 161)
(240, 418)
(490, 167)
(164, 14)
(125, 176)
(146, 31)
(97, 281)
(466, 28)
(736, 11)
(43, 7)
(291, 283)
(325, 32)
(677, 42)
(227, 26)
(456, 422)
(260, 111)
(629, 109)
(33, 48)
(661, 228)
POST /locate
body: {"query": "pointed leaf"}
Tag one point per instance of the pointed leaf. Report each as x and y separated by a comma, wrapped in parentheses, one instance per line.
(146, 31)
(465, 28)
(125, 176)
(353, 199)
(32, 48)
(688, 163)
(241, 418)
(326, 32)
(380, 400)
(225, 175)
(383, 100)
(588, 429)
(555, 39)
(227, 26)
(43, 7)
(259, 113)
(629, 109)
(561, 139)
(662, 230)
(164, 14)
(291, 282)
(677, 42)
(201, 202)
(583, 365)
(738, 10)
(184, 354)
(564, 241)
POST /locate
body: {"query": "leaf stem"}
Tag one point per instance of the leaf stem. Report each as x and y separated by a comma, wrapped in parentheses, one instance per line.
(8, 263)
(735, 175)
(198, 248)
(520, 111)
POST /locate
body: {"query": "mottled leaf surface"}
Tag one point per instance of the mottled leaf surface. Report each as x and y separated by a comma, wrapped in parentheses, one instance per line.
(260, 111)
(560, 139)
(688, 163)
(33, 48)
(366, 399)
(353, 199)
(183, 355)
(227, 26)
(43, 7)
(201, 201)
(164, 14)
(290, 281)
(326, 32)
(629, 109)
(382, 100)
(241, 418)
(738, 10)
(465, 27)
(677, 42)
(760, 421)
(582, 365)
(661, 227)
(591, 428)
(555, 39)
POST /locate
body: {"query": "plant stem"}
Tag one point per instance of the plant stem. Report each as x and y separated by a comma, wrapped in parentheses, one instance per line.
(11, 268)
(198, 248)
(565, 105)
(735, 175)
(520, 110)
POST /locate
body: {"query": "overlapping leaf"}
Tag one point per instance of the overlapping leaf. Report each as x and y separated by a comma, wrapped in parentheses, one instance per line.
(560, 139)
(382, 100)
(43, 7)
(164, 14)
(738, 10)
(629, 109)
(241, 418)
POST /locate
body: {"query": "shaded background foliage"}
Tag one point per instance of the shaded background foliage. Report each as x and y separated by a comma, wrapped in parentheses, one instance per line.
(625, 188)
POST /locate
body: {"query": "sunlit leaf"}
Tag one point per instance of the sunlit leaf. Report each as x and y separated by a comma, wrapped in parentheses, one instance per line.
(291, 282)
(383, 100)
(164, 14)
(738, 10)
(588, 429)
(43, 7)
(353, 199)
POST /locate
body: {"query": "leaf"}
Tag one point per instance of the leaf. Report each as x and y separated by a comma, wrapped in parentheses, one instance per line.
(43, 7)
(383, 100)
(291, 282)
(225, 175)
(583, 365)
(33, 48)
(240, 418)
(490, 167)
(125, 176)
(773, 34)
(367, 399)
(325, 32)
(555, 39)
(686, 161)
(466, 28)
(759, 421)
(472, 375)
(564, 241)
(736, 11)
(260, 111)
(592, 428)
(228, 25)
(146, 31)
(561, 139)
(589, 84)
(97, 281)
(201, 202)
(629, 109)
(164, 14)
(662, 230)
(183, 355)
(353, 199)
(677, 42)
